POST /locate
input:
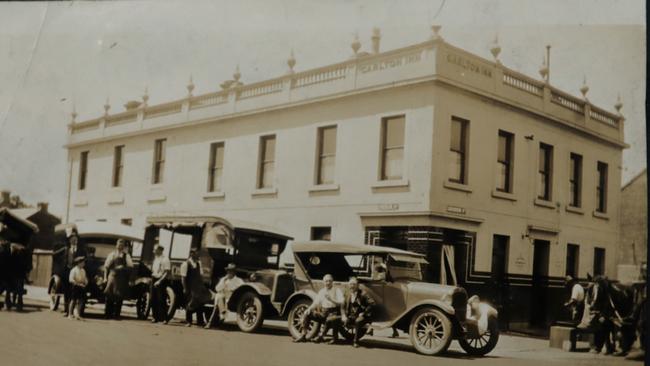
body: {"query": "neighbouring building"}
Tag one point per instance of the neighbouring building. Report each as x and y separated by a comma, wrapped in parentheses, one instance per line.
(41, 242)
(506, 183)
(634, 227)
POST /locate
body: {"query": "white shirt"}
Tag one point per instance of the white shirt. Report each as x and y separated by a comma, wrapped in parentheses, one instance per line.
(334, 293)
(159, 266)
(577, 293)
(78, 277)
(228, 285)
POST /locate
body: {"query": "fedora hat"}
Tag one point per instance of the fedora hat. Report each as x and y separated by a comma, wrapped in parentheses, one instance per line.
(231, 267)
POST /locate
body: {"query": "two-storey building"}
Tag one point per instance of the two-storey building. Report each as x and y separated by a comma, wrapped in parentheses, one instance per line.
(506, 183)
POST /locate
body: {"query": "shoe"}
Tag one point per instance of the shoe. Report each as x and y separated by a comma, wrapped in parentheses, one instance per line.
(355, 345)
(394, 335)
(300, 339)
(594, 351)
(620, 353)
(318, 339)
(165, 321)
(207, 326)
(154, 321)
(188, 324)
(333, 341)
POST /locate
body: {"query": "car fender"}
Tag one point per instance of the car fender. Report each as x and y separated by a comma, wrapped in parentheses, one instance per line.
(255, 287)
(406, 315)
(142, 281)
(310, 294)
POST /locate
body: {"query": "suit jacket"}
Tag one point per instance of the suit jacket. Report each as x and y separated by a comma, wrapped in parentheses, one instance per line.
(362, 304)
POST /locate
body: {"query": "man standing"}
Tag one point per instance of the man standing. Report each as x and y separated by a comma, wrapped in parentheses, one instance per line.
(196, 294)
(577, 301)
(356, 309)
(159, 272)
(5, 274)
(116, 273)
(328, 300)
(226, 286)
(71, 251)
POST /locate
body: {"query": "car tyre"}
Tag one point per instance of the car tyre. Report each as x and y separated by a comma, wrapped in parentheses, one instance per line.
(143, 304)
(250, 312)
(295, 320)
(170, 304)
(430, 331)
(52, 290)
(483, 344)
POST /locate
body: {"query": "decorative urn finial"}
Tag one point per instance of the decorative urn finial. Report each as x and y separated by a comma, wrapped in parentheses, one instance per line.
(496, 49)
(435, 32)
(291, 62)
(73, 114)
(619, 104)
(237, 75)
(145, 96)
(585, 88)
(107, 106)
(543, 70)
(376, 38)
(356, 44)
(190, 86)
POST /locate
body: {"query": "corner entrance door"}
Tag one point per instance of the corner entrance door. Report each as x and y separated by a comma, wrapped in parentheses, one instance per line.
(539, 288)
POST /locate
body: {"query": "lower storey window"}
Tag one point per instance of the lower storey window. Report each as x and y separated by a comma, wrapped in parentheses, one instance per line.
(321, 233)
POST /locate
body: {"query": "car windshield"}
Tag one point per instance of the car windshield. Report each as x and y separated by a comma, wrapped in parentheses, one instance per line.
(405, 270)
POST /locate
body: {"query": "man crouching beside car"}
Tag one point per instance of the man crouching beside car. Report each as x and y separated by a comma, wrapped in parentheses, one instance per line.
(356, 309)
(328, 300)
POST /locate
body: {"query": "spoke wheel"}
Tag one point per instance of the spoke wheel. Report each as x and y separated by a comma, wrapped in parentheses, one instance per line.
(170, 303)
(249, 312)
(484, 343)
(52, 290)
(143, 304)
(430, 331)
(296, 315)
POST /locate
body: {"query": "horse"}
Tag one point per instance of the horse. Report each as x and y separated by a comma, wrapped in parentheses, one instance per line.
(611, 311)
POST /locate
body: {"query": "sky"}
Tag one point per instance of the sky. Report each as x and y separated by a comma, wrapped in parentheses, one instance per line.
(56, 55)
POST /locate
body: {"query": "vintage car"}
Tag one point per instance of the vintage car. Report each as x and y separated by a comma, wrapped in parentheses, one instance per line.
(431, 314)
(254, 249)
(96, 240)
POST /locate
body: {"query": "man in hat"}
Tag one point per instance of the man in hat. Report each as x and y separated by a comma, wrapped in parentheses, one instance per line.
(226, 286)
(356, 309)
(159, 272)
(576, 302)
(195, 292)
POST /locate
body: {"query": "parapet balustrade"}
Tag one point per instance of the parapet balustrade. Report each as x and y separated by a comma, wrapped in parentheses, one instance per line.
(354, 68)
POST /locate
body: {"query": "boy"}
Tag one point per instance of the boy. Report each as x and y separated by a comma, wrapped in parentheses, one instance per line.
(78, 280)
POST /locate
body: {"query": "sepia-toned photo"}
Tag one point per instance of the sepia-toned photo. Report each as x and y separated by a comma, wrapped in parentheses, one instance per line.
(303, 182)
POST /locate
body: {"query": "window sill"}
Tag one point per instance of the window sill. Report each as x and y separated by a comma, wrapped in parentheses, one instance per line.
(544, 203)
(324, 188)
(503, 195)
(214, 195)
(391, 183)
(265, 192)
(600, 215)
(574, 209)
(81, 201)
(457, 186)
(156, 195)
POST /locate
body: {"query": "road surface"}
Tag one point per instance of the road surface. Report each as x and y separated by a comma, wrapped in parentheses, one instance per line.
(41, 337)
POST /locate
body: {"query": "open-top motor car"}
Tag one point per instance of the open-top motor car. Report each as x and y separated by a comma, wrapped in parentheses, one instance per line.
(432, 314)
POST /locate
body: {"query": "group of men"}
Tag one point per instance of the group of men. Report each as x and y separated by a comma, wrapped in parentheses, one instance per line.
(332, 310)
(15, 265)
(194, 291)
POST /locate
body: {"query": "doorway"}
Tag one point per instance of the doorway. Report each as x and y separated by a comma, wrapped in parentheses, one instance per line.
(539, 288)
(499, 278)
